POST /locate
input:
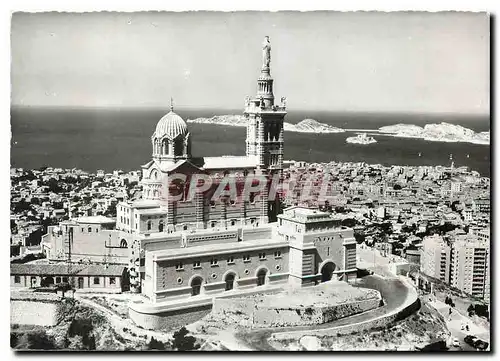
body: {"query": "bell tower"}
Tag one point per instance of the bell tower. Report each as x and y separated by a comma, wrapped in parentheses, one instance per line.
(265, 133)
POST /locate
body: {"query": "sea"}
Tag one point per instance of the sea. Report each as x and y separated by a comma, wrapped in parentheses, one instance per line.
(112, 138)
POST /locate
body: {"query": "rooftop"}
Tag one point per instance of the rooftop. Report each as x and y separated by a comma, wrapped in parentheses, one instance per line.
(95, 220)
(66, 269)
(230, 162)
(216, 249)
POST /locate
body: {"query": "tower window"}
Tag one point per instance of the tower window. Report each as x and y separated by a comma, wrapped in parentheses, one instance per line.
(230, 260)
(246, 258)
(262, 256)
(277, 254)
(179, 266)
(214, 262)
(196, 264)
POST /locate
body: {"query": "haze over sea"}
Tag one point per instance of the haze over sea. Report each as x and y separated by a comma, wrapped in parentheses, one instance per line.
(110, 139)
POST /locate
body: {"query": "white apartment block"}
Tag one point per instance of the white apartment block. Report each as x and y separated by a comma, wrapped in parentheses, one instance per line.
(435, 258)
(470, 265)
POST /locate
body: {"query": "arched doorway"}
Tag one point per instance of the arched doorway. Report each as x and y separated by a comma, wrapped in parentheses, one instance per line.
(229, 281)
(261, 277)
(196, 286)
(161, 226)
(80, 282)
(327, 271)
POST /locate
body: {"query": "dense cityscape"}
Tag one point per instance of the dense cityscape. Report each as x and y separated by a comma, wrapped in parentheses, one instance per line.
(250, 252)
(405, 215)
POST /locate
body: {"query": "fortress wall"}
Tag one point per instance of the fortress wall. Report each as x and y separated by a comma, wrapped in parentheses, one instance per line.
(233, 310)
(248, 311)
(411, 305)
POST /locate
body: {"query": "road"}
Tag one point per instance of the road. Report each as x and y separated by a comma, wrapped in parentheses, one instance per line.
(393, 291)
(119, 323)
(455, 321)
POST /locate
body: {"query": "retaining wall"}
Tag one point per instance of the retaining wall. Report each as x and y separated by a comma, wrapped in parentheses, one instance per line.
(248, 312)
(26, 312)
(170, 320)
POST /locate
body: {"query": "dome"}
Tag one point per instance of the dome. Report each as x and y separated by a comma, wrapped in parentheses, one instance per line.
(171, 125)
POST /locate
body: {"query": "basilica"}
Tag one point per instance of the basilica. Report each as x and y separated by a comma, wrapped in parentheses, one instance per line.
(186, 250)
(183, 248)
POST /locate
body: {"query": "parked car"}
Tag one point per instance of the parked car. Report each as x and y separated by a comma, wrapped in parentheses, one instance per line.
(481, 345)
(470, 340)
(476, 342)
(456, 342)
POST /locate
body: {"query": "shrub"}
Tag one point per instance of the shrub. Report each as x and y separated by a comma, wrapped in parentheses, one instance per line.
(156, 345)
(13, 339)
(39, 341)
(83, 327)
(182, 342)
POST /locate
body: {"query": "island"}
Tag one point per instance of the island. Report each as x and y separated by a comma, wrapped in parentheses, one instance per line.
(304, 126)
(361, 138)
(442, 132)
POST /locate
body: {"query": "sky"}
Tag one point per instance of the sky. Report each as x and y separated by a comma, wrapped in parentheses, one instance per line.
(333, 61)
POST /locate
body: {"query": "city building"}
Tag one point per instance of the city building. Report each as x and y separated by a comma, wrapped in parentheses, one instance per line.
(87, 239)
(470, 265)
(89, 278)
(463, 262)
(435, 258)
(187, 252)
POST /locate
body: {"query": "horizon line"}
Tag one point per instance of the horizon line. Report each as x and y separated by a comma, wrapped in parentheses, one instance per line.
(240, 110)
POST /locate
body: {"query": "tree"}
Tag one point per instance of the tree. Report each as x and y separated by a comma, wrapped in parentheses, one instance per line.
(360, 238)
(37, 340)
(13, 225)
(54, 186)
(349, 222)
(470, 310)
(82, 327)
(481, 310)
(182, 342)
(454, 206)
(156, 345)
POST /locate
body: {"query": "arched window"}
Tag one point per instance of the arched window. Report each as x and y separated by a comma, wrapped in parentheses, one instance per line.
(149, 225)
(179, 146)
(229, 281)
(161, 225)
(123, 243)
(196, 286)
(261, 277)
